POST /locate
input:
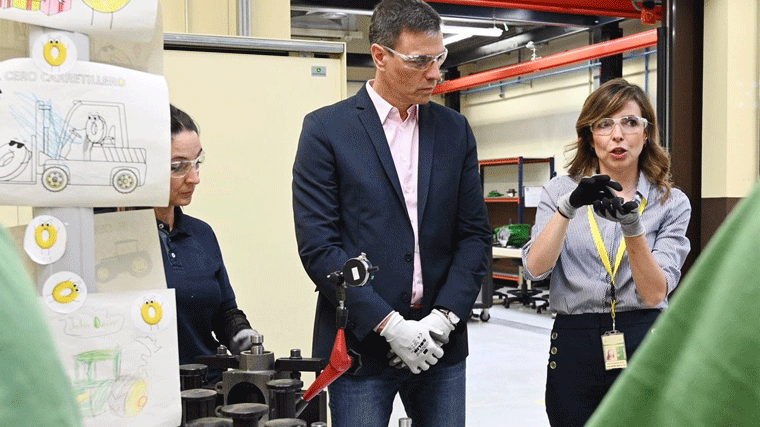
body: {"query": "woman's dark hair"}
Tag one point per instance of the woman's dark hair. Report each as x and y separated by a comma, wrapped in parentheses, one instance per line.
(610, 98)
(181, 121)
(392, 17)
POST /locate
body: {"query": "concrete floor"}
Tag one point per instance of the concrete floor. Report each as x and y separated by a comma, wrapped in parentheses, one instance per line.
(506, 369)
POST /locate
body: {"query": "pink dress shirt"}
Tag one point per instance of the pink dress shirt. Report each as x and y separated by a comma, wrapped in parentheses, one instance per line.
(404, 141)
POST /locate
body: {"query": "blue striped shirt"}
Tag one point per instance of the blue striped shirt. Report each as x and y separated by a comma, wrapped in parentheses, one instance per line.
(579, 281)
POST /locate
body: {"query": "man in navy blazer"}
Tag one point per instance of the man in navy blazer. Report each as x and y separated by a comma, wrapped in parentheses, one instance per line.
(392, 175)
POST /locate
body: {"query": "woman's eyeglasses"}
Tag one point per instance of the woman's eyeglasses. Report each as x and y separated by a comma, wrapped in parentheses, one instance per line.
(628, 125)
(180, 168)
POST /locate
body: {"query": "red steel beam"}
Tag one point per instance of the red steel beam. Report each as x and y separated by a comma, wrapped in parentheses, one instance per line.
(616, 8)
(586, 53)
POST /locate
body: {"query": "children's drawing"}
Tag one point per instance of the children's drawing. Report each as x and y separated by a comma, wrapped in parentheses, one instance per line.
(49, 7)
(129, 259)
(111, 54)
(99, 385)
(127, 250)
(97, 135)
(45, 239)
(87, 146)
(52, 7)
(105, 6)
(14, 158)
(122, 373)
(133, 20)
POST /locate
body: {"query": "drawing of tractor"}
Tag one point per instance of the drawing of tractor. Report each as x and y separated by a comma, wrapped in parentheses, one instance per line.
(99, 386)
(90, 147)
(128, 258)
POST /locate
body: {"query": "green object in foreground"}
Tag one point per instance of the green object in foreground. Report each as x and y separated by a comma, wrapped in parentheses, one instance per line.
(699, 364)
(494, 193)
(35, 390)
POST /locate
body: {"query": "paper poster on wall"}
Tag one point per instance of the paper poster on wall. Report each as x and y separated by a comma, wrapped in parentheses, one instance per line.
(120, 352)
(129, 19)
(92, 135)
(532, 196)
(128, 252)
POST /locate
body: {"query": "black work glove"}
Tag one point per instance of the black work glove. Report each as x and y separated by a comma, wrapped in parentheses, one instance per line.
(590, 189)
(227, 327)
(627, 214)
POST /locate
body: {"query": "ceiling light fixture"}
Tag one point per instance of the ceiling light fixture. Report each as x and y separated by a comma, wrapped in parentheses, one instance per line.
(472, 31)
(458, 33)
(455, 38)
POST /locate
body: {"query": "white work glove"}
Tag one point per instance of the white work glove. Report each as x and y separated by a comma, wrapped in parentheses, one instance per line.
(627, 214)
(590, 189)
(412, 341)
(437, 320)
(242, 341)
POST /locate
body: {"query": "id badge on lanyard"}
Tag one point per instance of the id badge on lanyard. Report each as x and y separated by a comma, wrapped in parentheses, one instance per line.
(613, 341)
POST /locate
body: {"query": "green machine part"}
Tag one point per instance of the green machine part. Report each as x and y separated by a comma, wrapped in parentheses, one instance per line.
(519, 234)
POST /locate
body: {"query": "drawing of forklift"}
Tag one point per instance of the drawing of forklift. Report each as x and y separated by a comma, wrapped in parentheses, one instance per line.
(128, 257)
(90, 147)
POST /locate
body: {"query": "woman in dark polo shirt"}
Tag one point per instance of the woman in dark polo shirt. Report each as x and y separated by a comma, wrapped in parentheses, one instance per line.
(193, 260)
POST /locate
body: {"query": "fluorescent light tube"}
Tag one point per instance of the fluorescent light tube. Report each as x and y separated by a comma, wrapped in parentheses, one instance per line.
(472, 31)
(455, 38)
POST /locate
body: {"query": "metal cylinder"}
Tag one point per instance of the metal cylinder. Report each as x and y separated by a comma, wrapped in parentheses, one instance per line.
(260, 361)
(192, 375)
(245, 414)
(197, 403)
(282, 398)
(404, 422)
(210, 422)
(285, 422)
(319, 424)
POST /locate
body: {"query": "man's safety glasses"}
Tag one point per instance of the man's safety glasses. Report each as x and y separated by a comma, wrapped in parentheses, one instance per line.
(628, 125)
(180, 168)
(420, 62)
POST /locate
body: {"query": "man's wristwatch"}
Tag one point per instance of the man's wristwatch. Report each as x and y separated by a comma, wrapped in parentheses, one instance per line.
(453, 318)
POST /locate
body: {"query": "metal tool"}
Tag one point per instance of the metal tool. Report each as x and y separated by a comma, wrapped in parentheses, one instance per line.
(356, 272)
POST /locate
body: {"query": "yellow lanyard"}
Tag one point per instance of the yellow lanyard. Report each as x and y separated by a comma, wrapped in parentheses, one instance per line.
(603, 250)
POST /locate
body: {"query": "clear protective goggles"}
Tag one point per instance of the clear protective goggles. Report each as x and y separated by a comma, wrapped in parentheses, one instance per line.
(420, 62)
(180, 168)
(628, 125)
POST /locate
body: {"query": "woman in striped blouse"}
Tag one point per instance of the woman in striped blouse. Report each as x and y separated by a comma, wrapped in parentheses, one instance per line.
(612, 235)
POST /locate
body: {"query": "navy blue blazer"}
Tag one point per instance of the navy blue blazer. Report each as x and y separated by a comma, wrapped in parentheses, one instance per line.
(347, 199)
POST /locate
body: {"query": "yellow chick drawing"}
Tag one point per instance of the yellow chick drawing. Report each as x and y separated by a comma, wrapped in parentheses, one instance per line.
(105, 6)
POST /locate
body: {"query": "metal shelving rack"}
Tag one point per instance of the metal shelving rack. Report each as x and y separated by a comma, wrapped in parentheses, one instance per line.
(487, 289)
(520, 162)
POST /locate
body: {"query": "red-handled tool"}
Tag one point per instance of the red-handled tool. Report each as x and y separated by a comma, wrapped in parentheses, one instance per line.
(356, 272)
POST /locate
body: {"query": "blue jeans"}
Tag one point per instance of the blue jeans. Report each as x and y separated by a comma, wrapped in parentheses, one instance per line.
(432, 398)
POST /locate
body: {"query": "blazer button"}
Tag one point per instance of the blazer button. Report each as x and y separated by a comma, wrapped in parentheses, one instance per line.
(408, 257)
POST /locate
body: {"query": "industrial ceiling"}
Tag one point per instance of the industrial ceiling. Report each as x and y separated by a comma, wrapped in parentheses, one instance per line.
(513, 24)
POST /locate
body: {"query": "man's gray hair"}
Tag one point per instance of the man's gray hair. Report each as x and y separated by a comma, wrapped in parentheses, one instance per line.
(391, 17)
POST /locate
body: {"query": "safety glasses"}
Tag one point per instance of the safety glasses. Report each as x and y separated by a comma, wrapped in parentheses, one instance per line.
(628, 125)
(180, 168)
(420, 62)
